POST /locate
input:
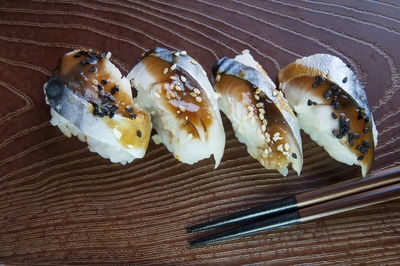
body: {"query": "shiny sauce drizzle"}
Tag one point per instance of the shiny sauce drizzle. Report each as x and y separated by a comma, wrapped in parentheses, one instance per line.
(181, 94)
(277, 132)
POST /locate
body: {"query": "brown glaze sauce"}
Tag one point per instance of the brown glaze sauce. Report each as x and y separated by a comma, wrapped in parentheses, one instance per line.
(347, 108)
(77, 77)
(244, 92)
(92, 82)
(192, 109)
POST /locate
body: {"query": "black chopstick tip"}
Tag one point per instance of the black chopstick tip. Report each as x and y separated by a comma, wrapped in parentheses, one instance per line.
(195, 243)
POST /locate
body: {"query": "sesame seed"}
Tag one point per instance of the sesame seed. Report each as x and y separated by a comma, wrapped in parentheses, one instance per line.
(133, 116)
(336, 93)
(172, 95)
(315, 85)
(197, 91)
(194, 62)
(314, 103)
(309, 102)
(257, 97)
(344, 80)
(261, 116)
(366, 144)
(250, 108)
(356, 136)
(286, 146)
(259, 105)
(327, 95)
(204, 72)
(183, 52)
(265, 122)
(129, 108)
(268, 136)
(178, 88)
(359, 158)
(183, 79)
(258, 90)
(168, 96)
(274, 93)
(93, 68)
(193, 94)
(100, 87)
(250, 114)
(294, 155)
(218, 77)
(178, 112)
(365, 130)
(245, 51)
(339, 136)
(173, 67)
(186, 117)
(334, 116)
(261, 111)
(280, 147)
(276, 137)
(177, 53)
(139, 133)
(351, 142)
(111, 98)
(108, 55)
(173, 77)
(157, 95)
(165, 70)
(263, 128)
(198, 99)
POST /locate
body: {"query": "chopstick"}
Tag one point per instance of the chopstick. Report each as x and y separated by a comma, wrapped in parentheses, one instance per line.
(380, 187)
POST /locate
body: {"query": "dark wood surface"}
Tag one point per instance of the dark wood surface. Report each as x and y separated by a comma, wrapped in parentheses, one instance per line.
(59, 203)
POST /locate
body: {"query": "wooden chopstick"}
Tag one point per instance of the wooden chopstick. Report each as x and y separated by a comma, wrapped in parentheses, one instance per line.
(367, 198)
(302, 200)
(380, 187)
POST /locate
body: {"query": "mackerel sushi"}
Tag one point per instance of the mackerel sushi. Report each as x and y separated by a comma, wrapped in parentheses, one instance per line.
(90, 99)
(174, 88)
(332, 108)
(261, 117)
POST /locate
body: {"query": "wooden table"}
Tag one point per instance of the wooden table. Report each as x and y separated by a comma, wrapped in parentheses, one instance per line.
(60, 203)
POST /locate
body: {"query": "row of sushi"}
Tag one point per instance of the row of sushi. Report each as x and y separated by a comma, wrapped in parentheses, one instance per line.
(90, 99)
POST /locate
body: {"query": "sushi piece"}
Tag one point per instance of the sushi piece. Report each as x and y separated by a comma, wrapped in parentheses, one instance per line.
(332, 108)
(91, 100)
(260, 116)
(174, 88)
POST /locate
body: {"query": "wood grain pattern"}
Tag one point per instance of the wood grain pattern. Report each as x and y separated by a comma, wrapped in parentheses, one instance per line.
(59, 203)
